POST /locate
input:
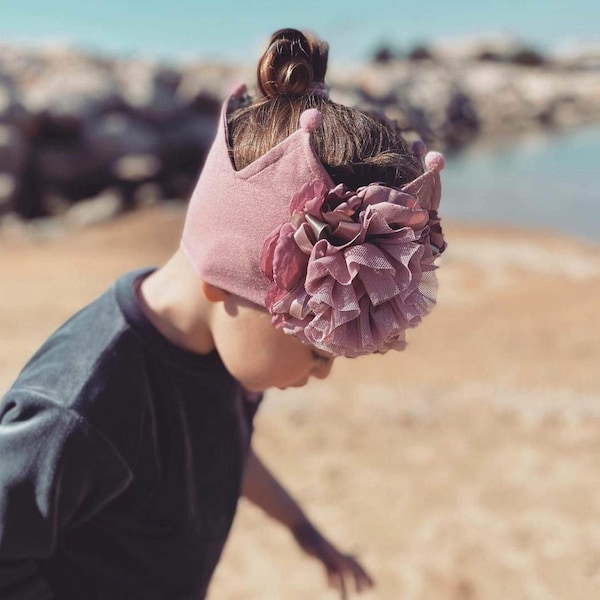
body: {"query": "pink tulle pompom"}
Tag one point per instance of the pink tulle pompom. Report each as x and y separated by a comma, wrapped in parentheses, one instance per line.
(310, 119)
(434, 161)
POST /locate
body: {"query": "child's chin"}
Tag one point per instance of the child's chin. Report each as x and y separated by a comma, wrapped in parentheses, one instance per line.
(294, 385)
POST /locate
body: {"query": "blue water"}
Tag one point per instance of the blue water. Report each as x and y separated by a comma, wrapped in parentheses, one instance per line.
(238, 30)
(543, 182)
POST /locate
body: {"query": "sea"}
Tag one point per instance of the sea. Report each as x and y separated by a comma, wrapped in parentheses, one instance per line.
(542, 181)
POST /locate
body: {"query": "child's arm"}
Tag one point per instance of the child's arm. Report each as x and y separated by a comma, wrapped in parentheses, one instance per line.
(261, 488)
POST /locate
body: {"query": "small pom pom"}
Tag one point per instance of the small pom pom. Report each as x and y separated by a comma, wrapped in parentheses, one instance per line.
(310, 119)
(419, 148)
(239, 89)
(434, 161)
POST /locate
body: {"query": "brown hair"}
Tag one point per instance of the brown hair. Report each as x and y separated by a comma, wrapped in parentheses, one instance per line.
(355, 148)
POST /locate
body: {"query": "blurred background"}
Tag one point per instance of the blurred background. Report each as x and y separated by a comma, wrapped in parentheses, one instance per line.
(467, 466)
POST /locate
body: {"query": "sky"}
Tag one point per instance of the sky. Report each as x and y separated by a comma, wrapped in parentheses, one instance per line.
(236, 31)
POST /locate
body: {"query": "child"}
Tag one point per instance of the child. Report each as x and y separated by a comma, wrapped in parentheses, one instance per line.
(125, 441)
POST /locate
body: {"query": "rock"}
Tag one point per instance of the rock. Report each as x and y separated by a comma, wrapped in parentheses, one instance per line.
(527, 57)
(85, 92)
(186, 141)
(136, 167)
(13, 158)
(115, 147)
(74, 170)
(5, 99)
(12, 111)
(147, 194)
(73, 124)
(384, 55)
(117, 133)
(8, 186)
(492, 48)
(210, 82)
(581, 58)
(421, 53)
(95, 210)
(13, 149)
(462, 120)
(148, 89)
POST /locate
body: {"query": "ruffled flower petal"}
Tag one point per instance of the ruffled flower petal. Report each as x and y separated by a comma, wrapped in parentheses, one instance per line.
(351, 271)
(289, 262)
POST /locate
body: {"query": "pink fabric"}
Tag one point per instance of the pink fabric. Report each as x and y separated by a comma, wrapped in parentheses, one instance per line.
(231, 212)
(351, 271)
(346, 271)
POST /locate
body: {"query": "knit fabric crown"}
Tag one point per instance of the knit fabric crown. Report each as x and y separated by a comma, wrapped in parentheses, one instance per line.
(347, 271)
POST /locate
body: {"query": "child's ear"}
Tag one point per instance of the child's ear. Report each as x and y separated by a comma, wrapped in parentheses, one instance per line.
(213, 293)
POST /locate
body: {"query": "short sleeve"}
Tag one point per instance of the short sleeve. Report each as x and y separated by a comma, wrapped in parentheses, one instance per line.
(56, 470)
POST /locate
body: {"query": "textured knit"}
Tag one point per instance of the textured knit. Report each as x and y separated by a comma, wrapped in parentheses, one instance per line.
(121, 457)
(231, 213)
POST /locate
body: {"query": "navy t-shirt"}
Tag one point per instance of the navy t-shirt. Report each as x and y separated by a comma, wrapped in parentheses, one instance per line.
(121, 459)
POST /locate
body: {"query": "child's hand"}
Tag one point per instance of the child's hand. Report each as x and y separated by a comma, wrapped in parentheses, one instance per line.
(261, 488)
(341, 568)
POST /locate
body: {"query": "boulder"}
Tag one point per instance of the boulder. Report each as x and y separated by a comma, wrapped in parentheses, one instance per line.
(148, 89)
(73, 125)
(72, 88)
(8, 187)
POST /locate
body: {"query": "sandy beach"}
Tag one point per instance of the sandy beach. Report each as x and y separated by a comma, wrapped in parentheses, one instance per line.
(466, 467)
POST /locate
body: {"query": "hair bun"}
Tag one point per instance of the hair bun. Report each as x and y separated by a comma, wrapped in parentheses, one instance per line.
(292, 63)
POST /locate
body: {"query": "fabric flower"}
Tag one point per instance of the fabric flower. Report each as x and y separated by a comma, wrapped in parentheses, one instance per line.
(352, 270)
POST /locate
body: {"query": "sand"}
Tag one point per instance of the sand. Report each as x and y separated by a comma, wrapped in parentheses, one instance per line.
(466, 467)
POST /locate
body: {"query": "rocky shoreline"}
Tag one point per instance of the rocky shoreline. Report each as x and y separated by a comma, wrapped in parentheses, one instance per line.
(115, 133)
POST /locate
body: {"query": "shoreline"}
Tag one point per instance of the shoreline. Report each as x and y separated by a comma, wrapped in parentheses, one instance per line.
(71, 217)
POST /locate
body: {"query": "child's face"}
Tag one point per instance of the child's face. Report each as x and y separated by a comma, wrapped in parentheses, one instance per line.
(260, 356)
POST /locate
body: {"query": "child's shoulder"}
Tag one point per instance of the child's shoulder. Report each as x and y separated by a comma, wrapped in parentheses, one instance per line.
(86, 368)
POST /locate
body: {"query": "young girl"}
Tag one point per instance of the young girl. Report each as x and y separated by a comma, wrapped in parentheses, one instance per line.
(125, 441)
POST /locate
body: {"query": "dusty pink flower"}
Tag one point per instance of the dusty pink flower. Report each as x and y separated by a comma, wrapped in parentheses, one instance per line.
(352, 270)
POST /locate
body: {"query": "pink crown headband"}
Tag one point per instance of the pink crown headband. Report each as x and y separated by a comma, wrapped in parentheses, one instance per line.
(347, 271)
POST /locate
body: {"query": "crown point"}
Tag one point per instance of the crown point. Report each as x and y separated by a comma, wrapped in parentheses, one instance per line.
(435, 161)
(239, 90)
(419, 148)
(310, 119)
